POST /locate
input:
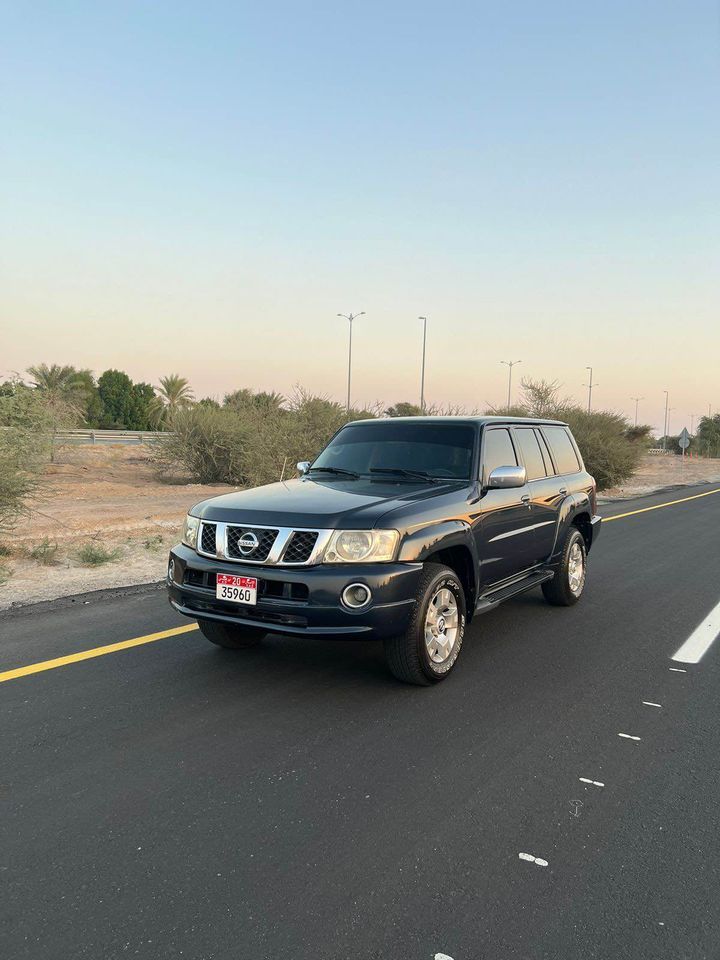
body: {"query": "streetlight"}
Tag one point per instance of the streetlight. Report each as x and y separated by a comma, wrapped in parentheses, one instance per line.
(637, 401)
(665, 427)
(510, 364)
(590, 386)
(350, 317)
(422, 374)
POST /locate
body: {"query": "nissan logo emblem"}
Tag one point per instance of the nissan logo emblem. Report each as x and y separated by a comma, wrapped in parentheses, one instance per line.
(247, 543)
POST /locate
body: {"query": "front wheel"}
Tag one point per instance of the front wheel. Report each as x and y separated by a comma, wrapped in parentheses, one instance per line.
(429, 648)
(230, 636)
(566, 587)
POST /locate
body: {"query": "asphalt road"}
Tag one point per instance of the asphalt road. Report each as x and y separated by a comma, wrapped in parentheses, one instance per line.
(294, 801)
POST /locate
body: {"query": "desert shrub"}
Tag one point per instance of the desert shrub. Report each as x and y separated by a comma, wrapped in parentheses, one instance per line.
(610, 447)
(208, 445)
(45, 553)
(247, 443)
(26, 426)
(94, 554)
(153, 543)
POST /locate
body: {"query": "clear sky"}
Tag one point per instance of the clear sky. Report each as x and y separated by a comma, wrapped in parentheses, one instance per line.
(200, 188)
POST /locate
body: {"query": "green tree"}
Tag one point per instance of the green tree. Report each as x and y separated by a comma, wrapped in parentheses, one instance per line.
(173, 394)
(244, 399)
(708, 436)
(27, 423)
(404, 409)
(64, 394)
(115, 389)
(143, 399)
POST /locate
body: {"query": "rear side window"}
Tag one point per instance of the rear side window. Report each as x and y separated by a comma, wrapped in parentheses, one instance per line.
(562, 449)
(498, 451)
(532, 455)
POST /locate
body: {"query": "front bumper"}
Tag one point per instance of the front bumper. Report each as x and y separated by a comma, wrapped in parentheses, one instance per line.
(595, 524)
(301, 601)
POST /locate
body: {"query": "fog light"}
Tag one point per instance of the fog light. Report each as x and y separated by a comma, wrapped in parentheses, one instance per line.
(171, 570)
(356, 595)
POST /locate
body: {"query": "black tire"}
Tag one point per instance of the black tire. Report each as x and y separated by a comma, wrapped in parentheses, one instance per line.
(558, 591)
(407, 655)
(230, 636)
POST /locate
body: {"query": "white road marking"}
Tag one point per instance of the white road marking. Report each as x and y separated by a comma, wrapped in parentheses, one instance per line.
(677, 670)
(595, 783)
(442, 956)
(701, 639)
(538, 860)
(629, 736)
(649, 703)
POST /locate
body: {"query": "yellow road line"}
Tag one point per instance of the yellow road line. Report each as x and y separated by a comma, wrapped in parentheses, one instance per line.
(95, 652)
(659, 506)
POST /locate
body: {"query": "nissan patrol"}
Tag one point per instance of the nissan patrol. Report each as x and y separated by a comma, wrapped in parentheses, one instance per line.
(400, 530)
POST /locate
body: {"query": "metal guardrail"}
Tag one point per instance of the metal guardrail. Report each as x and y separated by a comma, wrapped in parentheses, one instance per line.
(107, 436)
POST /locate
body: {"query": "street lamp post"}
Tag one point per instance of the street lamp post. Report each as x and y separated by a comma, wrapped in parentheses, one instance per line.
(422, 374)
(510, 364)
(665, 427)
(590, 386)
(350, 317)
(637, 401)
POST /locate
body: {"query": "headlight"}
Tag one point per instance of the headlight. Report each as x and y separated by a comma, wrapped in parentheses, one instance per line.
(361, 546)
(190, 531)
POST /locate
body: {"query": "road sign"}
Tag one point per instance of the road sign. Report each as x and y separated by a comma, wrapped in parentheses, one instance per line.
(684, 439)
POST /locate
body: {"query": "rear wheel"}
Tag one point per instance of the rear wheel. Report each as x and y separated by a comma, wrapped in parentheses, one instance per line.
(429, 648)
(566, 587)
(230, 636)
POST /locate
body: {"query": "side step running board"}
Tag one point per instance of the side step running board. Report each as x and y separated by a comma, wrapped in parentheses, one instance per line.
(488, 601)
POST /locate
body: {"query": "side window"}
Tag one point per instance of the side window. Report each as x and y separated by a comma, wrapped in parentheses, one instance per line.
(531, 452)
(498, 451)
(549, 468)
(563, 449)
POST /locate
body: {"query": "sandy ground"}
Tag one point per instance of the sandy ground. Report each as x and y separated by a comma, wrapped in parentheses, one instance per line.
(112, 496)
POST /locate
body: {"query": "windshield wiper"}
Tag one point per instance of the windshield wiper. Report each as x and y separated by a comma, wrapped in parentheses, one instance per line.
(402, 472)
(337, 470)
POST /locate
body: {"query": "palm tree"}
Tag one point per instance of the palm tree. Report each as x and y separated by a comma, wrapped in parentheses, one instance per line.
(64, 391)
(173, 394)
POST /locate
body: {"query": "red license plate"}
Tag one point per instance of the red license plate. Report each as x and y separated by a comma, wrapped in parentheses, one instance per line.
(236, 589)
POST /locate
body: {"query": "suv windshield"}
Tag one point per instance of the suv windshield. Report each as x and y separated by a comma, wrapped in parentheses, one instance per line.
(391, 450)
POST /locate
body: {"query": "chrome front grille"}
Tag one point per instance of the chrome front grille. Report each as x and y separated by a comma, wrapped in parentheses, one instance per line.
(272, 546)
(249, 543)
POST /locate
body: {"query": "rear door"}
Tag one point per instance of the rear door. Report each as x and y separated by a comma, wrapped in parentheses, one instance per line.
(504, 534)
(544, 488)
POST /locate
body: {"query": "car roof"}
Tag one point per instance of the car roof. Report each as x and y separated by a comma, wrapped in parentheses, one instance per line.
(469, 420)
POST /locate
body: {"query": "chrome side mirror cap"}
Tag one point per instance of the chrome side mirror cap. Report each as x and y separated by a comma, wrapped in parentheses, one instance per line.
(505, 478)
(303, 466)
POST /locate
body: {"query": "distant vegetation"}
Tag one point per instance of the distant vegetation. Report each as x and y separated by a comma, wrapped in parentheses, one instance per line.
(610, 446)
(250, 438)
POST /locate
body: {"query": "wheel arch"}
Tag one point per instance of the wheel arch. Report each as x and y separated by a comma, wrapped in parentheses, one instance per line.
(452, 544)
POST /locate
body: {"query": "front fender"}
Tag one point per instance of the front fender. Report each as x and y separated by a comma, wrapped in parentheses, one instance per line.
(419, 545)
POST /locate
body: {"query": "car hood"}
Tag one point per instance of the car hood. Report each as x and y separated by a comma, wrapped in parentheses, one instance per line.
(324, 504)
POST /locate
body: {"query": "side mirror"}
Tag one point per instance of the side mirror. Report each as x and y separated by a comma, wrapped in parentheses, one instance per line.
(303, 467)
(505, 478)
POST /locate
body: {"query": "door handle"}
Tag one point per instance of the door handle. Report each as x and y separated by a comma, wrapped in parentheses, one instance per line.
(525, 498)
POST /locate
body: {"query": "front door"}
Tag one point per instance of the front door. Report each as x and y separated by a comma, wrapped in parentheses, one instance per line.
(504, 534)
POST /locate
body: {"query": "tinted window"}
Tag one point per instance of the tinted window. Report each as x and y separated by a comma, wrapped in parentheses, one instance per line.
(440, 449)
(549, 468)
(562, 449)
(498, 451)
(531, 453)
